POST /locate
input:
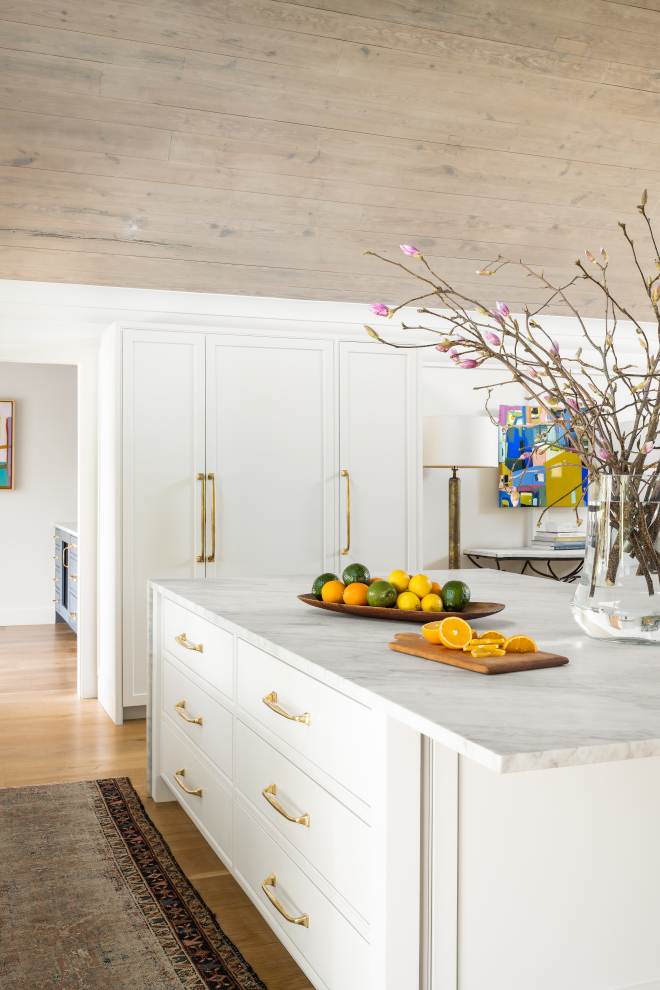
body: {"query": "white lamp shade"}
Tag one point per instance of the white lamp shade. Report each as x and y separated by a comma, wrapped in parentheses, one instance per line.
(460, 441)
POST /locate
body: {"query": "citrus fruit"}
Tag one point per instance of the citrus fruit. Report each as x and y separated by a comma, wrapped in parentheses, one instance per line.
(430, 631)
(454, 633)
(485, 644)
(382, 594)
(400, 580)
(354, 573)
(520, 644)
(420, 585)
(432, 603)
(373, 580)
(491, 634)
(435, 588)
(320, 581)
(356, 593)
(408, 601)
(488, 651)
(332, 591)
(455, 596)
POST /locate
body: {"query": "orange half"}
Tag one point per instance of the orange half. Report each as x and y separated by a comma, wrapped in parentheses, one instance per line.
(430, 632)
(520, 644)
(491, 634)
(454, 633)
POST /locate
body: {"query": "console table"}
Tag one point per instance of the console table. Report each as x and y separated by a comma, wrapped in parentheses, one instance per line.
(530, 555)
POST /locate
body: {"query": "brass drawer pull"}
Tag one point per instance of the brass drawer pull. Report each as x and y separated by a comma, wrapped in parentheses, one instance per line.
(178, 708)
(183, 641)
(211, 478)
(74, 615)
(73, 577)
(202, 557)
(267, 791)
(271, 882)
(271, 701)
(182, 773)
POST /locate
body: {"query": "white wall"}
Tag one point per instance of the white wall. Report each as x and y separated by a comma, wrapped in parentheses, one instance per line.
(45, 492)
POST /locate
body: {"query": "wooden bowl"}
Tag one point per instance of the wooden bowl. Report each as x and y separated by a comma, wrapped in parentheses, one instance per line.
(474, 610)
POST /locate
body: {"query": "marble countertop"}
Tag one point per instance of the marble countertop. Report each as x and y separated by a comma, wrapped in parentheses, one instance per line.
(531, 553)
(602, 706)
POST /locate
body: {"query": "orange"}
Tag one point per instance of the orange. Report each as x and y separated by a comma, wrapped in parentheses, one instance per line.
(491, 634)
(483, 644)
(454, 633)
(356, 593)
(488, 651)
(430, 631)
(520, 644)
(373, 580)
(435, 588)
(333, 591)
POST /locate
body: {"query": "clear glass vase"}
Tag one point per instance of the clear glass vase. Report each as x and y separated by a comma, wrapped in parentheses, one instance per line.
(618, 597)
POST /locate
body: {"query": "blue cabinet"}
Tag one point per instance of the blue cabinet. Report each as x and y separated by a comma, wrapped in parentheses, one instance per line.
(66, 576)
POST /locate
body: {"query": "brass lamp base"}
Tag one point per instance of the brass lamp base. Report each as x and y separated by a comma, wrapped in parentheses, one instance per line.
(454, 520)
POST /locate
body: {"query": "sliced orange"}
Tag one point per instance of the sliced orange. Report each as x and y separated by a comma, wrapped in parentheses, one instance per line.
(356, 593)
(454, 633)
(477, 644)
(520, 644)
(488, 651)
(430, 631)
(333, 591)
(491, 634)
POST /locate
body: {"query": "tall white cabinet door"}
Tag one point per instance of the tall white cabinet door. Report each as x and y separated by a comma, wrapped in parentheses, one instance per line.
(270, 445)
(163, 428)
(379, 447)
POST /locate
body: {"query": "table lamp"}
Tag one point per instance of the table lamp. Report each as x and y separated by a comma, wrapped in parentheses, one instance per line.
(459, 442)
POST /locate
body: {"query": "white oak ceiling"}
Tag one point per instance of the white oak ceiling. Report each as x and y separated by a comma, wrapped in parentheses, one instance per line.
(259, 146)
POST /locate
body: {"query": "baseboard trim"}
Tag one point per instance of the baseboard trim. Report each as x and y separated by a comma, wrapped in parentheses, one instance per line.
(138, 711)
(27, 616)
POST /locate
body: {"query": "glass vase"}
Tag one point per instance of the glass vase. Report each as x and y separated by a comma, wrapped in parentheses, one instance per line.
(618, 597)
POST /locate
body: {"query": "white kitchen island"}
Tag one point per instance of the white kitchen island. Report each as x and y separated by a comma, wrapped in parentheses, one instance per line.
(430, 827)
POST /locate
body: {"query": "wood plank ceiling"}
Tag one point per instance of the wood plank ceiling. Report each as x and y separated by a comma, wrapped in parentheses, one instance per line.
(259, 146)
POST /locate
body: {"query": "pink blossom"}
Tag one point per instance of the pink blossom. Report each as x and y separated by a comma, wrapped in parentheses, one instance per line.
(648, 448)
(533, 372)
(502, 308)
(492, 338)
(468, 364)
(604, 455)
(497, 316)
(453, 353)
(379, 310)
(443, 348)
(411, 251)
(590, 256)
(555, 347)
(603, 253)
(572, 403)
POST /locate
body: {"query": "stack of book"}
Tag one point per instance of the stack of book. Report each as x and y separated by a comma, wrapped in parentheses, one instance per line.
(566, 540)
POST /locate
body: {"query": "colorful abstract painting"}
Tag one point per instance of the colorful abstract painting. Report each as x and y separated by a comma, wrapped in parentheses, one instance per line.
(6, 443)
(537, 466)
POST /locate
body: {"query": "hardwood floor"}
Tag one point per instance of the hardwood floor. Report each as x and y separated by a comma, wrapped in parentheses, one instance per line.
(48, 734)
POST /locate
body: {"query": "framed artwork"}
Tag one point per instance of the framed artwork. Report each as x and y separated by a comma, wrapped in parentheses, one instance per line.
(6, 444)
(536, 464)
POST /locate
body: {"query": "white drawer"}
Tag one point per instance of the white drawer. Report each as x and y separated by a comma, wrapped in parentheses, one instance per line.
(336, 841)
(213, 808)
(215, 663)
(184, 700)
(337, 738)
(331, 945)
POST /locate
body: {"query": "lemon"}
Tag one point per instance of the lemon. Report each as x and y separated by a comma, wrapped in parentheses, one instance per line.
(408, 601)
(432, 603)
(400, 580)
(420, 585)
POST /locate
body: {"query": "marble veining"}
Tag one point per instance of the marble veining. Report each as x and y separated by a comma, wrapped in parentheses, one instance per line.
(602, 706)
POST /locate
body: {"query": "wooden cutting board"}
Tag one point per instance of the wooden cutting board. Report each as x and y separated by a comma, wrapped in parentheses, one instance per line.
(418, 646)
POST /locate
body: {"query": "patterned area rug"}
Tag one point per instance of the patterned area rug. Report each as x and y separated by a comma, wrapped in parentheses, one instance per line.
(92, 898)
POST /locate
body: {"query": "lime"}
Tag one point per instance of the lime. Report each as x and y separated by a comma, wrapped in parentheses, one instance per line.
(356, 573)
(408, 601)
(399, 579)
(382, 594)
(320, 581)
(455, 596)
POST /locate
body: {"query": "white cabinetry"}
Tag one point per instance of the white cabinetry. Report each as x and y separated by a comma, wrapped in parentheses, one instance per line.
(221, 456)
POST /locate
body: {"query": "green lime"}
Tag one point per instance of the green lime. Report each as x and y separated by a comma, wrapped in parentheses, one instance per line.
(381, 594)
(356, 572)
(455, 596)
(320, 581)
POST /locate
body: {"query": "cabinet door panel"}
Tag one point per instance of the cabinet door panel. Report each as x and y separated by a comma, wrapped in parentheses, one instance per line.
(270, 444)
(163, 451)
(379, 447)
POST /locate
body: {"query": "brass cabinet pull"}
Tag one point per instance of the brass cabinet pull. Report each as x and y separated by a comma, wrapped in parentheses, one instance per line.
(271, 701)
(56, 579)
(184, 642)
(202, 557)
(210, 559)
(182, 773)
(69, 546)
(267, 791)
(73, 577)
(178, 708)
(56, 558)
(271, 881)
(74, 615)
(345, 549)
